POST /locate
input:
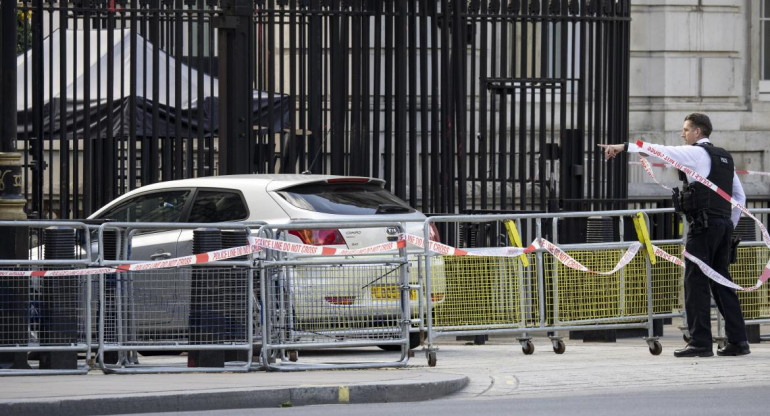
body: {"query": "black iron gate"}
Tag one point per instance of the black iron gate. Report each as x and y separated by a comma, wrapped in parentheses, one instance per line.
(461, 106)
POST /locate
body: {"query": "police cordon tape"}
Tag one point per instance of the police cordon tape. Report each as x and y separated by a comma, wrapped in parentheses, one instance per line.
(646, 165)
(663, 165)
(201, 258)
(257, 244)
(706, 269)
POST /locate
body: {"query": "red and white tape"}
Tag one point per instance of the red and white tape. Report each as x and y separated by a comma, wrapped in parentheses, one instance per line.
(570, 262)
(651, 149)
(435, 246)
(500, 251)
(298, 248)
(715, 276)
(539, 243)
(646, 165)
(446, 250)
(663, 165)
(659, 252)
(256, 244)
(212, 256)
(708, 271)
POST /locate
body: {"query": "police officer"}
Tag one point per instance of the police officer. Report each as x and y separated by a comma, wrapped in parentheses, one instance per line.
(711, 222)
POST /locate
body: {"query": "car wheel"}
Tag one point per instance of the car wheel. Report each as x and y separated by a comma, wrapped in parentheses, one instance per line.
(414, 342)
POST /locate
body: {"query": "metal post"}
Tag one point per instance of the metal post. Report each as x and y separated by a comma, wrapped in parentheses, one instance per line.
(36, 144)
(235, 86)
(8, 76)
(315, 89)
(400, 146)
(13, 240)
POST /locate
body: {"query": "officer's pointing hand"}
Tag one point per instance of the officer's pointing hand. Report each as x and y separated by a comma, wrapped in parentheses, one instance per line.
(611, 150)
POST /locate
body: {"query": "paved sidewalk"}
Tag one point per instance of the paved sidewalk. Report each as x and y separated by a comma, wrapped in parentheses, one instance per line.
(464, 370)
(138, 393)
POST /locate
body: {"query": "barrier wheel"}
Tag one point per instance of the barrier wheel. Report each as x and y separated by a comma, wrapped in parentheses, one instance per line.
(656, 348)
(686, 338)
(527, 347)
(293, 356)
(559, 347)
(432, 359)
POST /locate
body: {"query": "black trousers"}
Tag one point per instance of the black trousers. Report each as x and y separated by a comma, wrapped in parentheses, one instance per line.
(712, 246)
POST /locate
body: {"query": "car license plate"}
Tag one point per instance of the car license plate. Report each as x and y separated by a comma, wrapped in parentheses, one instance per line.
(391, 292)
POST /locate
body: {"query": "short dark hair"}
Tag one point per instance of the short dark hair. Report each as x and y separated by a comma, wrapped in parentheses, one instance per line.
(701, 121)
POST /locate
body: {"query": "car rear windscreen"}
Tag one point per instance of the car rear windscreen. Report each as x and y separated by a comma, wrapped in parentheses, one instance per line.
(345, 199)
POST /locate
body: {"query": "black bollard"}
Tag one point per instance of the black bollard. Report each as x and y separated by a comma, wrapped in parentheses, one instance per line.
(59, 303)
(206, 320)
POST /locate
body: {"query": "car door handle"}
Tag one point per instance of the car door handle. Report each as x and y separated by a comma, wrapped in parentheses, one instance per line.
(160, 256)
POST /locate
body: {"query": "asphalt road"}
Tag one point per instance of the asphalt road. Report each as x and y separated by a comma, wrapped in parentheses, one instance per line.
(588, 378)
(724, 399)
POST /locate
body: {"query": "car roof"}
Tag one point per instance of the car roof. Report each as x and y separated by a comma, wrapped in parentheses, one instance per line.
(271, 182)
(252, 186)
(244, 183)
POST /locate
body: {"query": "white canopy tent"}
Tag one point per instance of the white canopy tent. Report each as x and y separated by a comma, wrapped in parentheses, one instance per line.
(161, 101)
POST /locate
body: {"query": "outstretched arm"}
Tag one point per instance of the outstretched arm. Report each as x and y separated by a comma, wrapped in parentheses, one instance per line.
(612, 150)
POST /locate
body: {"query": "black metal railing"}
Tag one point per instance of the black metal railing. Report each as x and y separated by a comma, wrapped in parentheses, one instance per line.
(458, 105)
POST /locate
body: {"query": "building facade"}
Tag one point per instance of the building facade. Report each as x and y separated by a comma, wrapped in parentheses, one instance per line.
(709, 56)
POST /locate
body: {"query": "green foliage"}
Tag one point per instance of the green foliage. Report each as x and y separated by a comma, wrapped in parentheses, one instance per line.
(23, 31)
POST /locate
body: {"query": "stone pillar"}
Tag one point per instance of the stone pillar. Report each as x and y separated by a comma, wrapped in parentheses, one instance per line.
(14, 244)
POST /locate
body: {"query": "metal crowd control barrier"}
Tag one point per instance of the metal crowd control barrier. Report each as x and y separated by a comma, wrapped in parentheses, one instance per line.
(500, 295)
(313, 300)
(667, 278)
(44, 317)
(321, 302)
(206, 310)
(751, 259)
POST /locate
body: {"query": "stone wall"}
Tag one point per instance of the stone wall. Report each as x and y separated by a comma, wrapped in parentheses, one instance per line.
(700, 55)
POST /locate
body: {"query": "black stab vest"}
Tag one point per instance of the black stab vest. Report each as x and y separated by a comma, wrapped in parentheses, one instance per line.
(722, 171)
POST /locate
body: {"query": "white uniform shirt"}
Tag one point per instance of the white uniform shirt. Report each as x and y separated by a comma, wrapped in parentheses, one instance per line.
(697, 159)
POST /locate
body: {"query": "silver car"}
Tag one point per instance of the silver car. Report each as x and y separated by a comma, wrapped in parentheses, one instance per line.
(317, 295)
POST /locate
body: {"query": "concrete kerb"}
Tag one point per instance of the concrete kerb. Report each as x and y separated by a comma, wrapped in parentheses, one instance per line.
(434, 386)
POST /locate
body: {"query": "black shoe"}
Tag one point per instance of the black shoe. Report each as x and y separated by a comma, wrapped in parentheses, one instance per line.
(693, 351)
(735, 348)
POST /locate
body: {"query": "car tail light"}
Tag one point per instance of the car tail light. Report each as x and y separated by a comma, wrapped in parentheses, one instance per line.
(436, 297)
(340, 300)
(319, 237)
(434, 235)
(348, 180)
